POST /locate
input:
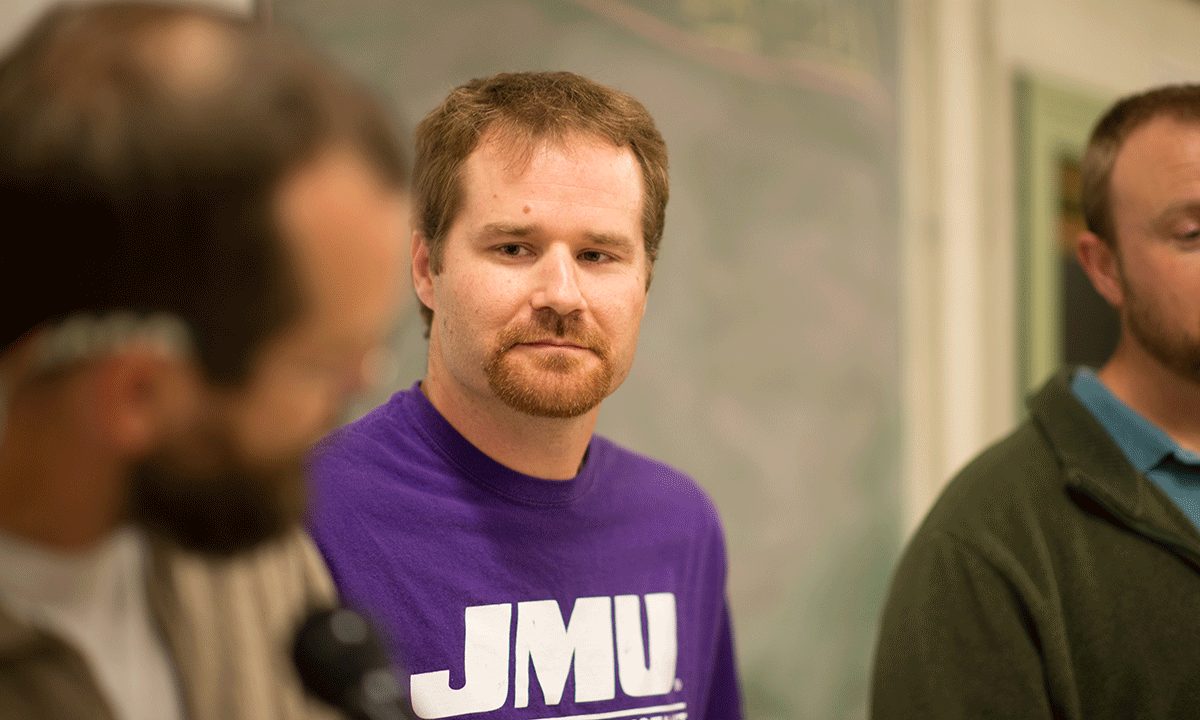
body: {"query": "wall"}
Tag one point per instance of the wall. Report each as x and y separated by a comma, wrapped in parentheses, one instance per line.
(1110, 46)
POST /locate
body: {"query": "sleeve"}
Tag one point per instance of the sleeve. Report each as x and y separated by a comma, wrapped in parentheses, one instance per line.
(956, 640)
(724, 696)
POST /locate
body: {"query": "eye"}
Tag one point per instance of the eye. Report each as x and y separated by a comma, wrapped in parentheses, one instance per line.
(1186, 233)
(1184, 227)
(594, 256)
(512, 250)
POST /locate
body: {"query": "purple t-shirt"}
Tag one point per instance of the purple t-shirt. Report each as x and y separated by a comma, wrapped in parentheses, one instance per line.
(507, 596)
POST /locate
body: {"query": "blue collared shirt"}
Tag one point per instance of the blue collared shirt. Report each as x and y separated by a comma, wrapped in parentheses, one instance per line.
(1149, 450)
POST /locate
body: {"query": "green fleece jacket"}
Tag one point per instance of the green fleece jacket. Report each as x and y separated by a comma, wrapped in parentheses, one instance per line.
(1050, 580)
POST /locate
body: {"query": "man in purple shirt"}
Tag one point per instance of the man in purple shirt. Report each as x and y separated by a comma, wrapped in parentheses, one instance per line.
(523, 566)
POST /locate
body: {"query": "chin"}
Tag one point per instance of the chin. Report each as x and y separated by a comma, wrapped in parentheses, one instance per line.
(223, 515)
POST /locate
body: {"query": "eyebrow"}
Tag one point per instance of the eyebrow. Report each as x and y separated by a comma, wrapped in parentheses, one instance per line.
(1183, 206)
(601, 239)
(506, 229)
(1174, 211)
(614, 241)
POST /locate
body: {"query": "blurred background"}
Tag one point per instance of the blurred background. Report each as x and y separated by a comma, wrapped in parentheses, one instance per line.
(866, 264)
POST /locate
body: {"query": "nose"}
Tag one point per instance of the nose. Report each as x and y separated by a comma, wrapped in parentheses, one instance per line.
(558, 283)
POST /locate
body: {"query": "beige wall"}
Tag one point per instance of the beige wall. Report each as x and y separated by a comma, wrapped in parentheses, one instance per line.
(1116, 46)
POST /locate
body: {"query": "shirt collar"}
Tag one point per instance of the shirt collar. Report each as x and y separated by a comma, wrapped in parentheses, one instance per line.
(1143, 443)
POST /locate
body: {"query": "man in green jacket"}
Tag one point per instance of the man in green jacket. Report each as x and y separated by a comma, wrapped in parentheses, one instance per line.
(1058, 576)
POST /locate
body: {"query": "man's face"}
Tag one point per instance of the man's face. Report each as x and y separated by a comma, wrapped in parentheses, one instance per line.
(1155, 190)
(543, 280)
(234, 476)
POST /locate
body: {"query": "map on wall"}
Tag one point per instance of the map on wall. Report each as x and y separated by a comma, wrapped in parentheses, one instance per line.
(767, 364)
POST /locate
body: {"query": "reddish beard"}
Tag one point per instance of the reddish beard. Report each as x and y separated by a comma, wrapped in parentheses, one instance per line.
(559, 384)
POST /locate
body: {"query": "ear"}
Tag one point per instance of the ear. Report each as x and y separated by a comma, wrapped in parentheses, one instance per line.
(1102, 266)
(141, 397)
(422, 274)
(649, 279)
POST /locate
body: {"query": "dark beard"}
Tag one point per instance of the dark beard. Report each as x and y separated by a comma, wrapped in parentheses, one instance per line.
(561, 388)
(219, 512)
(1177, 351)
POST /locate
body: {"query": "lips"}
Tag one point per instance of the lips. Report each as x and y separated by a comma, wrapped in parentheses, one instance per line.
(548, 329)
(555, 343)
(552, 346)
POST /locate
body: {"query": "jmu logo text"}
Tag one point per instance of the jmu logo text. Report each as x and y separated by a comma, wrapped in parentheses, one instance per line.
(600, 651)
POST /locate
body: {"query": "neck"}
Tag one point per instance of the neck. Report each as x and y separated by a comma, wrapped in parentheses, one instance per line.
(1164, 397)
(547, 448)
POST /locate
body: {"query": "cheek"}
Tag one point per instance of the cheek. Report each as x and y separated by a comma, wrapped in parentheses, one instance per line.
(623, 318)
(1167, 279)
(1184, 299)
(480, 302)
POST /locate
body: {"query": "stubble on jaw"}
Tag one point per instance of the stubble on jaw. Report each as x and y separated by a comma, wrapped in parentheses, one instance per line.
(1178, 351)
(559, 385)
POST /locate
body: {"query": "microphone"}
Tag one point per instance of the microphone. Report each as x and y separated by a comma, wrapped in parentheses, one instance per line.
(340, 660)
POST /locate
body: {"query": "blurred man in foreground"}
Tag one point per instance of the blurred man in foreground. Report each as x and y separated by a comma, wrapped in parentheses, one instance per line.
(202, 231)
(1058, 576)
(524, 566)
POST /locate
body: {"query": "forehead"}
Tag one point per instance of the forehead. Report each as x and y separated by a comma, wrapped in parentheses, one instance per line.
(578, 168)
(1157, 162)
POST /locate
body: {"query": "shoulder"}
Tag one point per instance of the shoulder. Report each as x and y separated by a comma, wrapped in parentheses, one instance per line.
(227, 620)
(382, 426)
(1019, 475)
(1008, 513)
(652, 483)
(382, 445)
(647, 472)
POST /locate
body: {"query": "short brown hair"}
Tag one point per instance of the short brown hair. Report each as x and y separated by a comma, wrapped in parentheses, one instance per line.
(136, 178)
(1181, 102)
(526, 108)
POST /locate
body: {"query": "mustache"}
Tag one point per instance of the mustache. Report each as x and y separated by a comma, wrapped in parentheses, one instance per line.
(548, 323)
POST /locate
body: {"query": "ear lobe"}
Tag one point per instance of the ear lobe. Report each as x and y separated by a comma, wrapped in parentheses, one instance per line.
(1102, 266)
(422, 273)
